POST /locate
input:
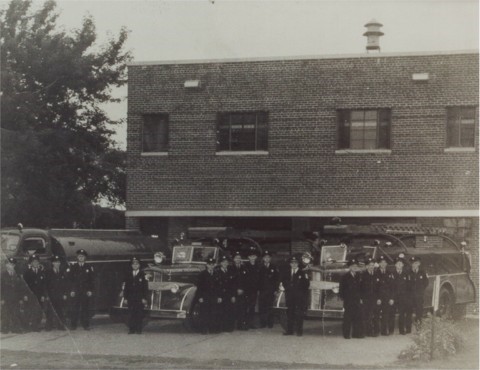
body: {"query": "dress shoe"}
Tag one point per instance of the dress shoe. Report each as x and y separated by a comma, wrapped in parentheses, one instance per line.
(287, 333)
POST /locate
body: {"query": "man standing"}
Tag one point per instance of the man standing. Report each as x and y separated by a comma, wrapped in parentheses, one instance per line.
(252, 279)
(370, 297)
(239, 275)
(36, 282)
(135, 295)
(82, 287)
(12, 304)
(418, 284)
(227, 293)
(57, 290)
(295, 281)
(400, 285)
(385, 296)
(268, 285)
(208, 297)
(350, 293)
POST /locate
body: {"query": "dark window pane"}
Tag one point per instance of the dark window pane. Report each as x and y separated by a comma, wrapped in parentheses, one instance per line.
(155, 133)
(461, 127)
(242, 131)
(343, 122)
(384, 129)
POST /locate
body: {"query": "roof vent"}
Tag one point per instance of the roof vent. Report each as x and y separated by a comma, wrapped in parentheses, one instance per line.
(420, 77)
(192, 84)
(373, 35)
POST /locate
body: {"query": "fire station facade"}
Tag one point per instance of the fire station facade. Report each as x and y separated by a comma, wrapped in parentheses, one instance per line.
(289, 143)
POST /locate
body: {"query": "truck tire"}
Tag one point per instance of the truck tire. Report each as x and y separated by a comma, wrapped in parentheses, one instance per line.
(192, 322)
(446, 303)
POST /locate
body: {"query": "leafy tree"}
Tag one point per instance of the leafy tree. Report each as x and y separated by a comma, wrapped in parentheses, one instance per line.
(57, 152)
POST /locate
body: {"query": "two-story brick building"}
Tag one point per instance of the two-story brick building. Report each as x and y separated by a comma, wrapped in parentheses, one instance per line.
(287, 144)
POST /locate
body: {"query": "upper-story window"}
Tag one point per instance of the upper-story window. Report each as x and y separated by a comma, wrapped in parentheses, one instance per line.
(242, 131)
(155, 133)
(364, 128)
(461, 127)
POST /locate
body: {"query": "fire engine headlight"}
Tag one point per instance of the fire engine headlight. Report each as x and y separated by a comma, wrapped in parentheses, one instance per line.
(158, 258)
(175, 288)
(335, 290)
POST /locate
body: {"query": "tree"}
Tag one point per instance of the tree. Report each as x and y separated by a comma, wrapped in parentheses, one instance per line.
(57, 152)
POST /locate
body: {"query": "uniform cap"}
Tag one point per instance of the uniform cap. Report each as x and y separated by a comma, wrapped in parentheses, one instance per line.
(237, 253)
(135, 259)
(415, 259)
(56, 258)
(293, 259)
(82, 252)
(352, 261)
(400, 258)
(369, 260)
(252, 251)
(11, 260)
(266, 253)
(34, 257)
(210, 261)
(382, 258)
(224, 258)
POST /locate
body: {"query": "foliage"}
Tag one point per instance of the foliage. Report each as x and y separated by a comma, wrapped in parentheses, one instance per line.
(448, 340)
(57, 153)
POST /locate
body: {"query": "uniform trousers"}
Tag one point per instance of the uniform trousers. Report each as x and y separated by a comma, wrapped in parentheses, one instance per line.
(265, 307)
(80, 310)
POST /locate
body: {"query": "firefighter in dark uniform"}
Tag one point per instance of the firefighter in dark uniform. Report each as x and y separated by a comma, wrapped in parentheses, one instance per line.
(370, 297)
(400, 288)
(81, 290)
(135, 293)
(34, 276)
(350, 293)
(252, 279)
(12, 303)
(239, 275)
(227, 292)
(269, 281)
(295, 282)
(208, 299)
(385, 295)
(57, 292)
(418, 284)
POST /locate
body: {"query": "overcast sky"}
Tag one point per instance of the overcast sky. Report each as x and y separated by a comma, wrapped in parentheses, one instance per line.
(205, 29)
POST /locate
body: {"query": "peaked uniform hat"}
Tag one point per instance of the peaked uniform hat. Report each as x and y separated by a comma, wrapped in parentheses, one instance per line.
(237, 253)
(56, 258)
(224, 258)
(400, 258)
(351, 262)
(134, 259)
(83, 252)
(293, 259)
(369, 260)
(266, 253)
(382, 258)
(415, 259)
(33, 257)
(252, 251)
(210, 261)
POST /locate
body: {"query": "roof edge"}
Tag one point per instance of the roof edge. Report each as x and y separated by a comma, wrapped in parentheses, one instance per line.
(304, 57)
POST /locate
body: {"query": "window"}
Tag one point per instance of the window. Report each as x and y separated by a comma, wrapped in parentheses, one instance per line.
(155, 133)
(461, 127)
(246, 131)
(34, 246)
(364, 129)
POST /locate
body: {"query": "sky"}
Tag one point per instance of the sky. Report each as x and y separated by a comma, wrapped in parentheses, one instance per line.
(216, 29)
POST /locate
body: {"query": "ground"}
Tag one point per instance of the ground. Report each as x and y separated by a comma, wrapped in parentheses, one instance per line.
(167, 345)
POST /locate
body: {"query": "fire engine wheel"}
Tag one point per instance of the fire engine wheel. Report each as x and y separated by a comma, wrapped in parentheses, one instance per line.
(192, 322)
(445, 303)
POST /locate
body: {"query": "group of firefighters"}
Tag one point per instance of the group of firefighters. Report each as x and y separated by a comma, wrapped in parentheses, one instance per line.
(226, 296)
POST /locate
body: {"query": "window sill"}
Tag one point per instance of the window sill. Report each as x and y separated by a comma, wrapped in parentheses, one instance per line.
(154, 154)
(253, 152)
(459, 150)
(363, 151)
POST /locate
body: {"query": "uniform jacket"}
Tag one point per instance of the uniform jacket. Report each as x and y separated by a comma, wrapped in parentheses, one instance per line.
(400, 286)
(350, 289)
(136, 287)
(36, 281)
(370, 286)
(252, 277)
(418, 283)
(226, 283)
(208, 287)
(81, 278)
(296, 286)
(57, 283)
(385, 285)
(12, 287)
(268, 278)
(239, 276)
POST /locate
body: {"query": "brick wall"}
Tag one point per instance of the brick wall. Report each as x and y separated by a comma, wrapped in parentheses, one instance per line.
(302, 170)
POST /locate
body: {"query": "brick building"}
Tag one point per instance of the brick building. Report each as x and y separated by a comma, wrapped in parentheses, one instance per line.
(286, 144)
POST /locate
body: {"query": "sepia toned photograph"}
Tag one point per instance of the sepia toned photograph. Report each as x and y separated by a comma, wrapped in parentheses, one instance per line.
(239, 184)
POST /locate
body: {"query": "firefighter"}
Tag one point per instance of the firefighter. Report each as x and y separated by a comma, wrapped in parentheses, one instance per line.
(240, 308)
(208, 298)
(269, 281)
(370, 297)
(34, 276)
(82, 287)
(350, 293)
(135, 293)
(12, 303)
(226, 278)
(252, 279)
(418, 284)
(57, 291)
(295, 282)
(385, 295)
(400, 288)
